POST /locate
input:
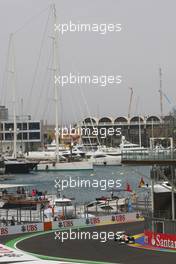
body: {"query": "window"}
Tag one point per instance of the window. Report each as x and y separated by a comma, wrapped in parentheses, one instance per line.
(99, 156)
(34, 135)
(9, 126)
(34, 126)
(19, 126)
(25, 136)
(19, 136)
(63, 203)
(106, 207)
(1, 136)
(24, 126)
(8, 136)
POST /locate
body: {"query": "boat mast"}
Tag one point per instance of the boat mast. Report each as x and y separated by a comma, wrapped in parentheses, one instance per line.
(22, 125)
(140, 141)
(55, 71)
(12, 71)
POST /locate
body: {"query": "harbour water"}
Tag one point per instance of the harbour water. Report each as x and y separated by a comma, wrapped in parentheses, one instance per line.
(45, 181)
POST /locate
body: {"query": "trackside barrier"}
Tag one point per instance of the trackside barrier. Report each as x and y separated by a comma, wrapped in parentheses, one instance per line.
(160, 240)
(96, 221)
(20, 229)
(47, 226)
(93, 221)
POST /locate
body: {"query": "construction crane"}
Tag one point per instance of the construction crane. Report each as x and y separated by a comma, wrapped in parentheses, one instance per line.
(170, 102)
(130, 103)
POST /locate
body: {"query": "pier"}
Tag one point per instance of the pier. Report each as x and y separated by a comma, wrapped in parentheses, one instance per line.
(141, 158)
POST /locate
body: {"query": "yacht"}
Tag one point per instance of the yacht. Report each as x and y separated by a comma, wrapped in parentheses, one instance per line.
(130, 148)
(13, 165)
(112, 156)
(64, 166)
(50, 152)
(104, 204)
(109, 150)
(99, 158)
(47, 161)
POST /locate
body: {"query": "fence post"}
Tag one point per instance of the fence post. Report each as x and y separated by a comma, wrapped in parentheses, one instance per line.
(17, 215)
(7, 216)
(75, 210)
(20, 215)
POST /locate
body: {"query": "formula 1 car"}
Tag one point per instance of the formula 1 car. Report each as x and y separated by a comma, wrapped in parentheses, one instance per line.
(118, 235)
(124, 238)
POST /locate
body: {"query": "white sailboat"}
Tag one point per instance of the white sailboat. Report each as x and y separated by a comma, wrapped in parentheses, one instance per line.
(49, 153)
(57, 164)
(13, 164)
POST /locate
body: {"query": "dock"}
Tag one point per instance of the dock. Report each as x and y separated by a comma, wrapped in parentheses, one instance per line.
(167, 157)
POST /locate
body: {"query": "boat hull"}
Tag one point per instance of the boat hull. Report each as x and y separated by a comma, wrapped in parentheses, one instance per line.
(19, 167)
(2, 171)
(65, 166)
(107, 161)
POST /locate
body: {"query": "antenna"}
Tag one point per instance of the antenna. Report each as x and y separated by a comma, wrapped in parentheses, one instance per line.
(161, 93)
(130, 103)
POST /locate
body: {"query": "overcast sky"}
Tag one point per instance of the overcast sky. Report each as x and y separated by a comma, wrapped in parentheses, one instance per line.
(147, 41)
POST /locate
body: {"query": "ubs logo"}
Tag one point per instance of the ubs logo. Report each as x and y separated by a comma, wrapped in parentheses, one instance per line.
(29, 228)
(93, 221)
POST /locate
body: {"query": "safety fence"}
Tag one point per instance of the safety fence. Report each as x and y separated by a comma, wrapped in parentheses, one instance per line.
(25, 215)
(160, 225)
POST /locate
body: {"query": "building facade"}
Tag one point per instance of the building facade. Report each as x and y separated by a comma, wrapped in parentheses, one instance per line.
(134, 129)
(29, 135)
(3, 113)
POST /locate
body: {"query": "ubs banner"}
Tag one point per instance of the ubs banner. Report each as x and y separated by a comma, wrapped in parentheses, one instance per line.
(19, 229)
(160, 240)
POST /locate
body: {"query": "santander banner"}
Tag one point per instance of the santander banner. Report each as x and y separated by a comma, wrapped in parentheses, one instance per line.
(160, 240)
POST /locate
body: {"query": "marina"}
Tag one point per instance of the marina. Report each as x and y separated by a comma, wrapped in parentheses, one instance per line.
(87, 132)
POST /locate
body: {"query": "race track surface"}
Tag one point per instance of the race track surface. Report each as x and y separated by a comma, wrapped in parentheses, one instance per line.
(94, 250)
